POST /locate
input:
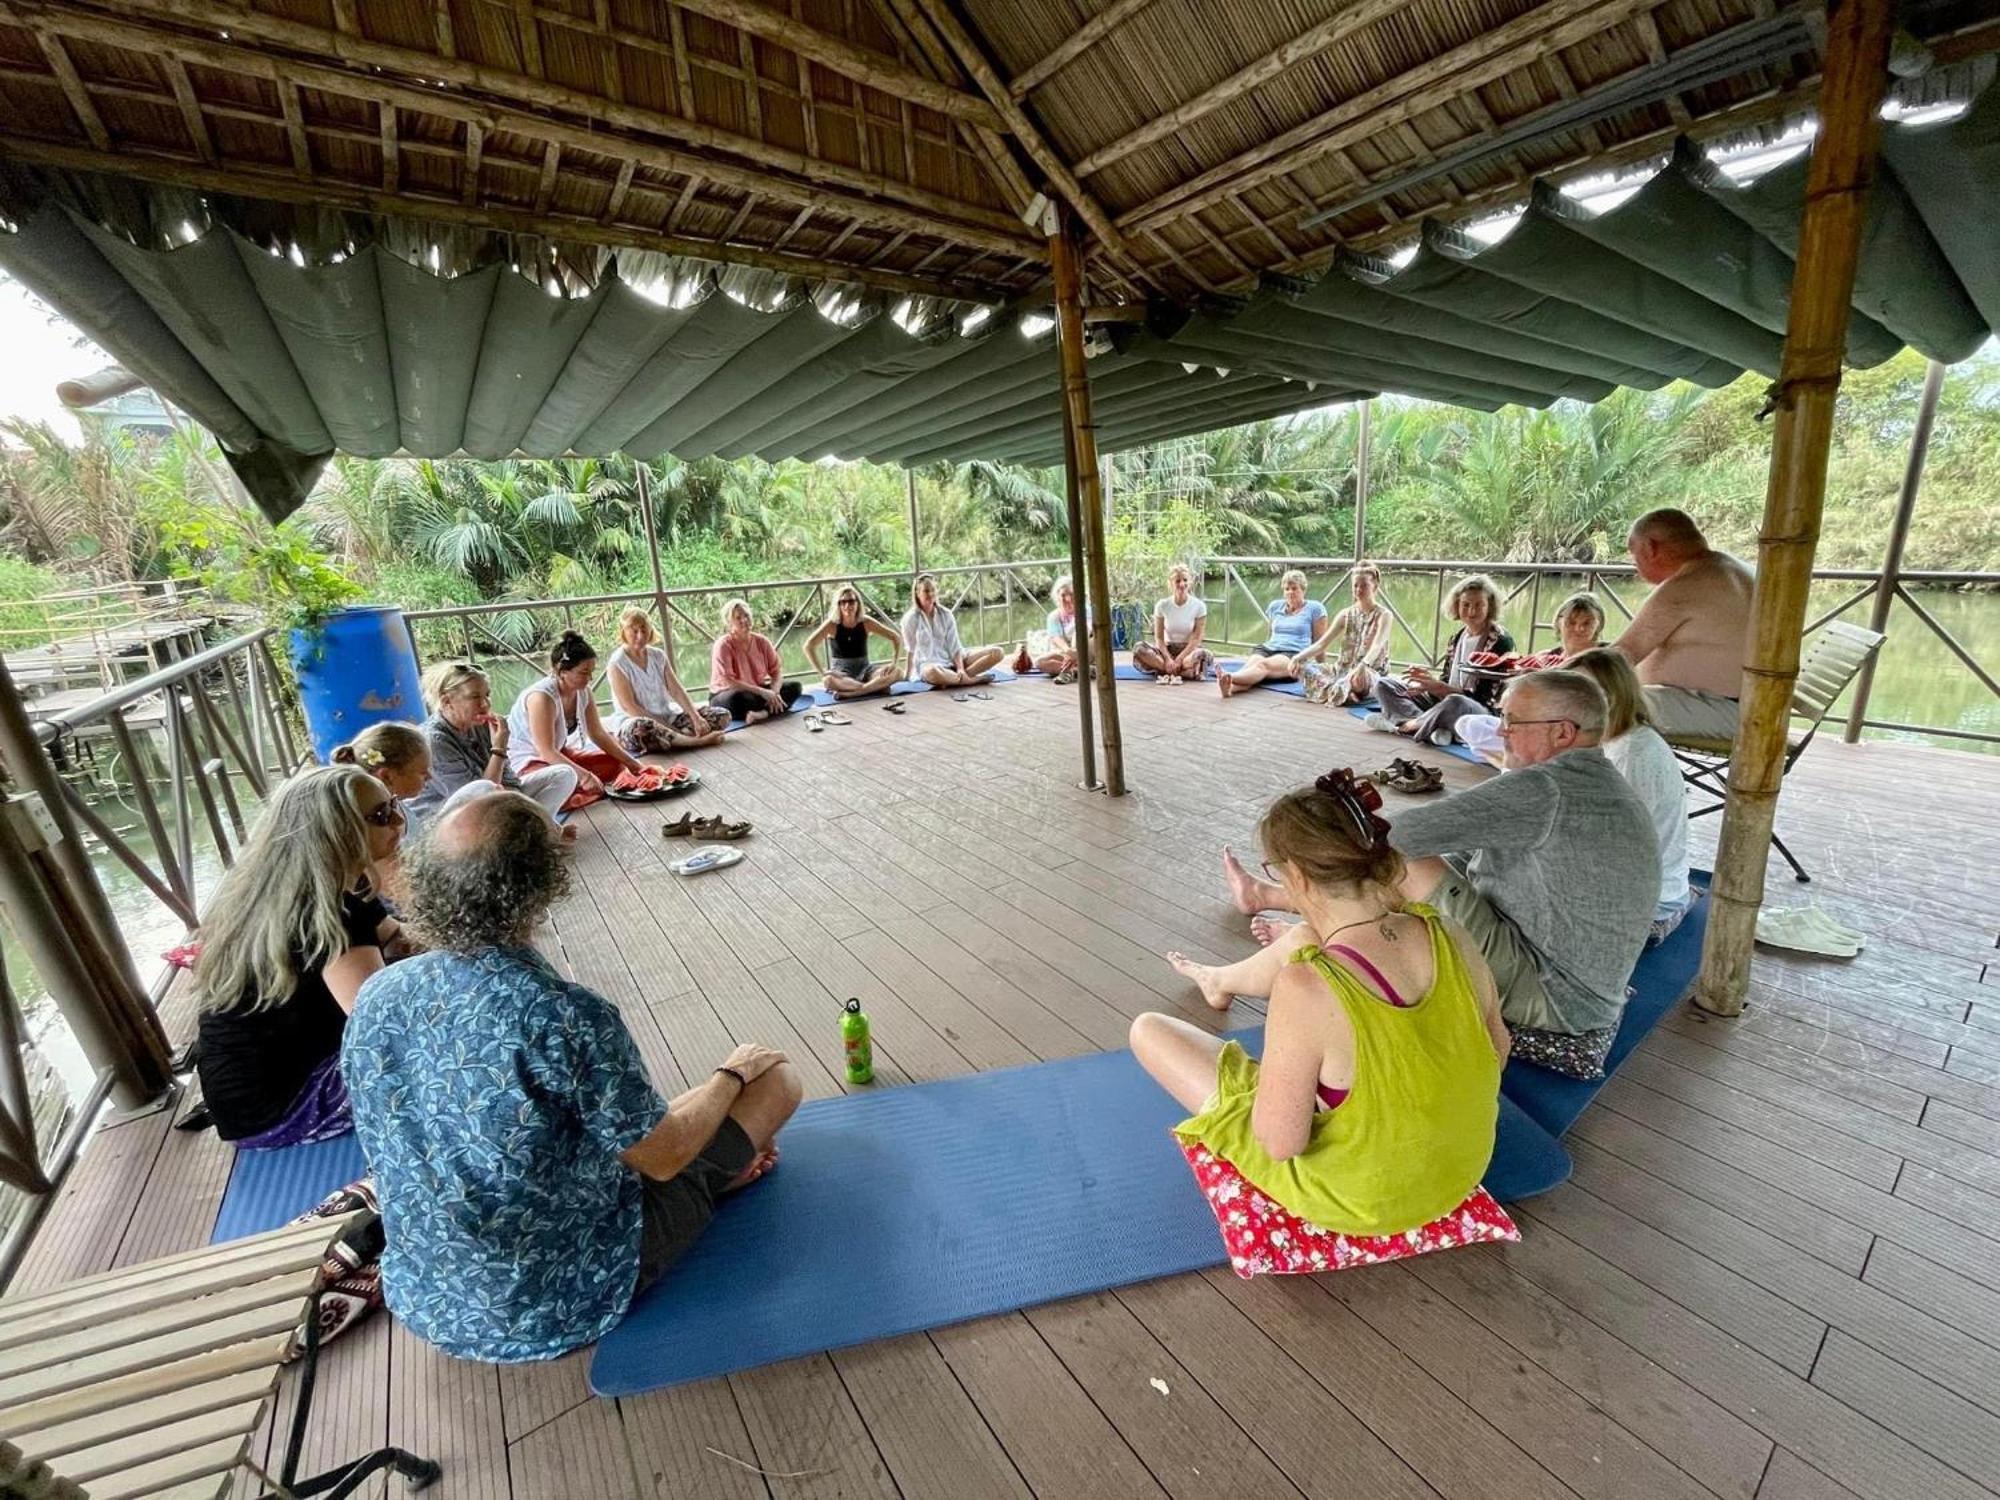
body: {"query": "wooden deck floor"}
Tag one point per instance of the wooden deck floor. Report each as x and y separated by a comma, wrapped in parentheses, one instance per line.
(1776, 1273)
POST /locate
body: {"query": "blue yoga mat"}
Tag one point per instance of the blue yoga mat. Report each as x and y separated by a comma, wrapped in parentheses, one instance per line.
(936, 1203)
(270, 1188)
(1277, 685)
(1464, 753)
(1660, 981)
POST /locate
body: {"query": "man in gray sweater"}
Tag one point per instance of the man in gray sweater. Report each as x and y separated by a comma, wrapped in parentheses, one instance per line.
(1552, 868)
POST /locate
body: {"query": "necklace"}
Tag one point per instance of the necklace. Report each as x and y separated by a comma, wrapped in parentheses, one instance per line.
(1364, 922)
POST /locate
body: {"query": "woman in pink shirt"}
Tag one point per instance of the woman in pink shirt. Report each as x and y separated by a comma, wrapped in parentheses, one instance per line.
(744, 674)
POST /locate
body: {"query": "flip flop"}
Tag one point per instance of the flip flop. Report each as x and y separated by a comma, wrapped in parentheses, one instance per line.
(895, 708)
(983, 696)
(961, 697)
(703, 860)
(834, 716)
(813, 723)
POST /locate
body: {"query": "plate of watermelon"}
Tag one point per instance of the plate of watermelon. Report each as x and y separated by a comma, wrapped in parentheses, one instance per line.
(651, 783)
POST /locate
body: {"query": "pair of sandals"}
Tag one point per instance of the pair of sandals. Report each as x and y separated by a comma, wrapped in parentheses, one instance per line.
(688, 826)
(1408, 776)
(979, 693)
(819, 718)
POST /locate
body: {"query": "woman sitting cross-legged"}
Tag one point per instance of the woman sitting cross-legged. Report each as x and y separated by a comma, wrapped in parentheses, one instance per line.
(1299, 631)
(555, 723)
(1373, 1109)
(293, 930)
(1579, 625)
(937, 655)
(655, 715)
(848, 673)
(745, 676)
(1175, 653)
(1054, 649)
(1425, 706)
(1362, 629)
(1635, 747)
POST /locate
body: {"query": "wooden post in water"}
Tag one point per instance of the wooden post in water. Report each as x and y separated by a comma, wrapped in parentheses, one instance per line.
(1899, 535)
(1836, 201)
(1080, 445)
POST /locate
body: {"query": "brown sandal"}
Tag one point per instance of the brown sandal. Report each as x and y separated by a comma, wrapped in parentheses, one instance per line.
(719, 828)
(681, 827)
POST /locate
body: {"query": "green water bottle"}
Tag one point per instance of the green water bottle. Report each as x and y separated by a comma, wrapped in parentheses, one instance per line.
(854, 1039)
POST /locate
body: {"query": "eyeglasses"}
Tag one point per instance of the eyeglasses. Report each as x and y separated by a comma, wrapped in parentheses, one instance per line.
(1508, 726)
(388, 815)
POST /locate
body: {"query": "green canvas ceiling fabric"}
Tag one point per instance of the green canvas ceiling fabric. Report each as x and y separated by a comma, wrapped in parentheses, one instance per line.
(296, 333)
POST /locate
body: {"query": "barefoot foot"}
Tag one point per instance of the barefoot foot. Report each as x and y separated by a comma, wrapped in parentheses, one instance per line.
(1227, 681)
(1267, 929)
(766, 1161)
(1249, 894)
(1204, 977)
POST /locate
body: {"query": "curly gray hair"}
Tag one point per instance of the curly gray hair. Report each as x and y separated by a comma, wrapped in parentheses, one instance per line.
(486, 875)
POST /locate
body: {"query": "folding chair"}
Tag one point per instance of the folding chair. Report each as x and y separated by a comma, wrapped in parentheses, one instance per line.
(152, 1380)
(1838, 653)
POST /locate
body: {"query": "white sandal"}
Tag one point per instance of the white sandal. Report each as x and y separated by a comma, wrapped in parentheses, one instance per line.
(708, 857)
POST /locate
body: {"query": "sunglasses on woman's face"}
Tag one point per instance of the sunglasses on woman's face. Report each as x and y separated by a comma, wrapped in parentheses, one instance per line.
(387, 815)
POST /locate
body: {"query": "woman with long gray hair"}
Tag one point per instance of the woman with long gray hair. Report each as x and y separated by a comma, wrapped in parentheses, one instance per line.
(293, 930)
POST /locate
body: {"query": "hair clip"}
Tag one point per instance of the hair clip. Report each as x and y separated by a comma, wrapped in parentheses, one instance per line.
(1361, 800)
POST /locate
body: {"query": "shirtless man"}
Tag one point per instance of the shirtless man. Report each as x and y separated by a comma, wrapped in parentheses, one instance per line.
(1688, 638)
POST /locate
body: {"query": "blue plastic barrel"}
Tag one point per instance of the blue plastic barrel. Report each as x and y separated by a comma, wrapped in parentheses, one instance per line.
(355, 670)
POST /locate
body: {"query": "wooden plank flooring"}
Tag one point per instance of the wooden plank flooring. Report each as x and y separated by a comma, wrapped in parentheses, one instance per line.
(1776, 1273)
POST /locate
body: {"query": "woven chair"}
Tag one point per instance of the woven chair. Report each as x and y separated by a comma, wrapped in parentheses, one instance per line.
(152, 1380)
(1838, 653)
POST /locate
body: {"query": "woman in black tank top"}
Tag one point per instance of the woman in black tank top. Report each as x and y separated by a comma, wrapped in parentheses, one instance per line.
(848, 674)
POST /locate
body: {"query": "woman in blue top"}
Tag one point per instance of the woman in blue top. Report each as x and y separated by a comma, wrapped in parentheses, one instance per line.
(1299, 633)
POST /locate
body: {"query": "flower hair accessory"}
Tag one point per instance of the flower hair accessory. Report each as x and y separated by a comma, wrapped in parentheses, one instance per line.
(1361, 801)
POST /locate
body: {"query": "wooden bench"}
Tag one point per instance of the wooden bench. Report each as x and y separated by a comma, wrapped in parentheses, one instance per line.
(152, 1380)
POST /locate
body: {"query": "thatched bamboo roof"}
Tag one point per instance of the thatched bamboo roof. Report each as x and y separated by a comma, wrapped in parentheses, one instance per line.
(300, 217)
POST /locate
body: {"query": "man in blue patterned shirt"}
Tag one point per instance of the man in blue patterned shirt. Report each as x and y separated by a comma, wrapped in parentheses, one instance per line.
(532, 1180)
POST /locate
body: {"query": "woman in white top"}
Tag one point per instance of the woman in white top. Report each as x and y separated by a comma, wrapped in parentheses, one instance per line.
(1362, 630)
(555, 722)
(654, 714)
(937, 655)
(848, 672)
(1632, 745)
(1054, 648)
(1175, 653)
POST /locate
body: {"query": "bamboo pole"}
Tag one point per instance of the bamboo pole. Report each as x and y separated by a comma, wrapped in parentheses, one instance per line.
(1075, 45)
(1899, 535)
(1080, 446)
(1836, 200)
(1309, 44)
(916, 558)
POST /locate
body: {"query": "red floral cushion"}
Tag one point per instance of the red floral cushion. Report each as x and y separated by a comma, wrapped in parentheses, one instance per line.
(1265, 1239)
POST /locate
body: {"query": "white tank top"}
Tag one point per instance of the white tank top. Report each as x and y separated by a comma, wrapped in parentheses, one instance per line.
(521, 739)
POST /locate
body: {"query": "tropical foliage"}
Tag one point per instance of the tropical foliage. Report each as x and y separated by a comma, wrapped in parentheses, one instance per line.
(1554, 485)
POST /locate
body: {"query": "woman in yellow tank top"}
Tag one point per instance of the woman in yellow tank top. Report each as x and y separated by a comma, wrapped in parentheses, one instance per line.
(1373, 1109)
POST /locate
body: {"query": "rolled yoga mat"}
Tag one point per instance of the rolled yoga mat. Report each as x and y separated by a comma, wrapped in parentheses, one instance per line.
(935, 1203)
(1660, 980)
